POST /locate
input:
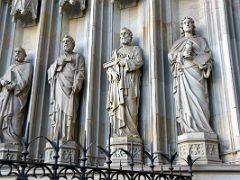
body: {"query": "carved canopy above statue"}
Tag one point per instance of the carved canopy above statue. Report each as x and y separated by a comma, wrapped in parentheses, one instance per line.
(25, 10)
(72, 4)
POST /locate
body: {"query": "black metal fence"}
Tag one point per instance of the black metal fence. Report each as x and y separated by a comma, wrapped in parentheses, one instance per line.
(25, 169)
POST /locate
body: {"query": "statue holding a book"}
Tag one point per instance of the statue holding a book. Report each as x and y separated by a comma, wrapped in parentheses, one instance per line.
(191, 64)
(124, 73)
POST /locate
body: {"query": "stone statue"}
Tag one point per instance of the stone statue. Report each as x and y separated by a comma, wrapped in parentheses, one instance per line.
(14, 90)
(66, 77)
(191, 64)
(124, 72)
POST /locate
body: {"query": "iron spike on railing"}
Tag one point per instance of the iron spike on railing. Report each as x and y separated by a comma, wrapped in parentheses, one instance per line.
(190, 163)
(151, 157)
(108, 155)
(25, 142)
(131, 155)
(85, 149)
(120, 165)
(107, 152)
(170, 159)
(8, 155)
(55, 171)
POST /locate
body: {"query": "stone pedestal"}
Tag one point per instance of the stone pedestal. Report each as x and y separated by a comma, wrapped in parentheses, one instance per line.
(10, 151)
(68, 153)
(126, 143)
(200, 145)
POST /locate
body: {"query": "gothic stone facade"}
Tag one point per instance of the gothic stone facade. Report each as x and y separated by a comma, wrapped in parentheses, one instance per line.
(39, 27)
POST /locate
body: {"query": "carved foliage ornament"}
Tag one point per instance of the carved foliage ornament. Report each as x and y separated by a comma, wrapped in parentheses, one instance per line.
(25, 10)
(72, 4)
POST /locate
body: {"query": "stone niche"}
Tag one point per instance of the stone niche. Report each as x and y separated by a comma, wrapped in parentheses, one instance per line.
(201, 145)
(124, 4)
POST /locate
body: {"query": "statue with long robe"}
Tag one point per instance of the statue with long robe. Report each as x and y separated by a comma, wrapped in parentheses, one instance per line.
(191, 64)
(66, 77)
(124, 72)
(14, 90)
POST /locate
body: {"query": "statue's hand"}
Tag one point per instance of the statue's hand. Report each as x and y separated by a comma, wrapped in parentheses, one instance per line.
(188, 57)
(10, 86)
(116, 62)
(122, 63)
(4, 83)
(74, 88)
(53, 123)
(115, 76)
(203, 66)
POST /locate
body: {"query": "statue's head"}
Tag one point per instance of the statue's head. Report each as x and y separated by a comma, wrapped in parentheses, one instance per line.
(126, 36)
(68, 43)
(19, 54)
(187, 25)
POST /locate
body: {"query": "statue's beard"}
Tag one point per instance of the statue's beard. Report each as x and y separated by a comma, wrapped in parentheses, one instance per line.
(125, 41)
(19, 59)
(68, 48)
(188, 30)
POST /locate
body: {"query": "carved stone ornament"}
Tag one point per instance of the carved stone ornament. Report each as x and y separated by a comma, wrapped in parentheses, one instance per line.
(72, 5)
(123, 4)
(10, 151)
(68, 153)
(130, 144)
(24, 10)
(203, 146)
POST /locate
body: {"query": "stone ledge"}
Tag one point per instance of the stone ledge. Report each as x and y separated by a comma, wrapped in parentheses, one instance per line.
(197, 136)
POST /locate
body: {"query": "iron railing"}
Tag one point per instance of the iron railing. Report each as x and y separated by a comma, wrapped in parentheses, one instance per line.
(25, 169)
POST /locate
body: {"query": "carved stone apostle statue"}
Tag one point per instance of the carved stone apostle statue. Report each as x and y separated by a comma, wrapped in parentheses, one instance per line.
(66, 77)
(14, 90)
(191, 64)
(124, 74)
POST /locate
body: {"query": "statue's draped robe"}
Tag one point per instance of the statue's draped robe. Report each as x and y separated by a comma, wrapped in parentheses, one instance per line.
(123, 96)
(63, 75)
(12, 103)
(190, 85)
